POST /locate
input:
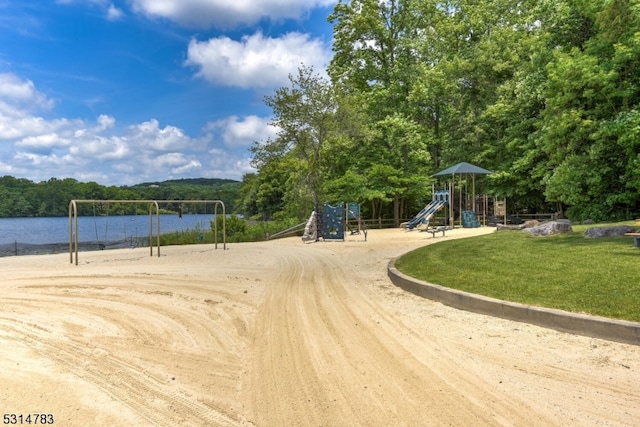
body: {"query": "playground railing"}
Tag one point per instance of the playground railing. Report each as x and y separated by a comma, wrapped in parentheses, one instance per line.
(289, 231)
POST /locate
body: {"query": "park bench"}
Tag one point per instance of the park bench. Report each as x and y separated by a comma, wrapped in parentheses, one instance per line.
(636, 238)
(434, 230)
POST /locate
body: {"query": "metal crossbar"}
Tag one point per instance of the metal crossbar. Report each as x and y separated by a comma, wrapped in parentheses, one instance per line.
(73, 221)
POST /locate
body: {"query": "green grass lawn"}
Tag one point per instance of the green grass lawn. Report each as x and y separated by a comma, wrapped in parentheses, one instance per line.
(599, 276)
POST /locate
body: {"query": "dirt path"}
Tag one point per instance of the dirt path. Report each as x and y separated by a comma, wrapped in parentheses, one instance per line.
(282, 334)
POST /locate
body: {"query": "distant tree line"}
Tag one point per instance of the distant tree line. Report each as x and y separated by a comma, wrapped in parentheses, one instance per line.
(546, 93)
(21, 197)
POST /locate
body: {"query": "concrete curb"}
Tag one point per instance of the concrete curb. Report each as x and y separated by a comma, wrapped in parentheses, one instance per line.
(592, 326)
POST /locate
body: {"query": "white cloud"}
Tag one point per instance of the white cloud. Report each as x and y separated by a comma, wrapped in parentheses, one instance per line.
(142, 152)
(242, 132)
(22, 93)
(42, 143)
(221, 164)
(177, 163)
(6, 169)
(113, 13)
(18, 100)
(38, 148)
(95, 147)
(149, 135)
(16, 125)
(51, 161)
(224, 13)
(139, 153)
(255, 61)
(105, 122)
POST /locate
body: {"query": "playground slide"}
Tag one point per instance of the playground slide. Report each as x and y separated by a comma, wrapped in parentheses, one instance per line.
(424, 216)
(424, 223)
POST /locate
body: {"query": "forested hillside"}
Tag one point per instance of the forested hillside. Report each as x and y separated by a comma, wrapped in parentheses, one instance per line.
(24, 198)
(543, 92)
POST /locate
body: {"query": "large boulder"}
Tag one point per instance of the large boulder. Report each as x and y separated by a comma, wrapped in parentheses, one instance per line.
(618, 230)
(526, 224)
(549, 228)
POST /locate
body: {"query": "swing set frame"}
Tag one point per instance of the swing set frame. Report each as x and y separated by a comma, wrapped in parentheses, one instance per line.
(73, 221)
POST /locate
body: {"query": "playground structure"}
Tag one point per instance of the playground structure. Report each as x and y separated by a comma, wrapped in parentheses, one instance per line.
(439, 200)
(462, 204)
(335, 221)
(329, 223)
(154, 207)
(488, 210)
(461, 199)
(332, 222)
(353, 214)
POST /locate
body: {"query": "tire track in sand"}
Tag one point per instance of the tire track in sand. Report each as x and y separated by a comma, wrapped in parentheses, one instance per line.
(152, 398)
(325, 353)
(97, 316)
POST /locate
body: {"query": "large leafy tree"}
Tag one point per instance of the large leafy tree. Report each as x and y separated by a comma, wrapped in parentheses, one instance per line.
(305, 114)
(506, 60)
(384, 164)
(375, 60)
(588, 124)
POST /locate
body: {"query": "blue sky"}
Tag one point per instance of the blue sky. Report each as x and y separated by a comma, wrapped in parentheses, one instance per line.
(131, 91)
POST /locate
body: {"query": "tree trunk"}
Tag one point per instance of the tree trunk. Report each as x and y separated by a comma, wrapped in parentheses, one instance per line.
(396, 211)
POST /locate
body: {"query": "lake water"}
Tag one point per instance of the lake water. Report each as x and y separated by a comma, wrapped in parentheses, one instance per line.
(43, 231)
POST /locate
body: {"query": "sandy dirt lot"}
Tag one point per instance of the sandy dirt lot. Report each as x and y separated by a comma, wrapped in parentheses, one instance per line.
(285, 334)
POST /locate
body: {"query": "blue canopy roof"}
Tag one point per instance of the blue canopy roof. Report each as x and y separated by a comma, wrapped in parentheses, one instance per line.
(462, 168)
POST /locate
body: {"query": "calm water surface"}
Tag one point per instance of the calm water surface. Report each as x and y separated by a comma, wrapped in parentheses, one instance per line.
(94, 229)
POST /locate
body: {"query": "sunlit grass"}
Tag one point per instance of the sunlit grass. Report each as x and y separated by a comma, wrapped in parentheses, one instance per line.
(188, 237)
(599, 276)
(237, 230)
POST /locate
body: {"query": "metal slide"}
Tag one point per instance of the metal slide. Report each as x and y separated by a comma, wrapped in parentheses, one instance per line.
(424, 216)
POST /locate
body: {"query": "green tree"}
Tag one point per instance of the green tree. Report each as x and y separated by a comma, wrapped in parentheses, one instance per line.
(587, 125)
(305, 116)
(375, 61)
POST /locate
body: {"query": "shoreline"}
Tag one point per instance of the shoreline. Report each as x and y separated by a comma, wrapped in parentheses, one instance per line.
(24, 249)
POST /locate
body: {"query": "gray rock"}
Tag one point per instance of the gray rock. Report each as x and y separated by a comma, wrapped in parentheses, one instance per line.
(549, 228)
(526, 224)
(617, 230)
